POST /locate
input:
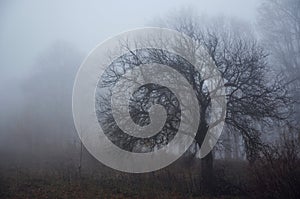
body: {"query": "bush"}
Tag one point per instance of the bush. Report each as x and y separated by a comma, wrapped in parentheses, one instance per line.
(276, 174)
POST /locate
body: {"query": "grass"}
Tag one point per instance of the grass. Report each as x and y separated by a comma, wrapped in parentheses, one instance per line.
(23, 184)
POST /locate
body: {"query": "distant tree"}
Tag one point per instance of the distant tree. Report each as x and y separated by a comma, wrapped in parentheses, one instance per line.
(47, 113)
(279, 25)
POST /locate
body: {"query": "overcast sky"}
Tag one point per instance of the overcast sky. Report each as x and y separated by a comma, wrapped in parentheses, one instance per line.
(29, 27)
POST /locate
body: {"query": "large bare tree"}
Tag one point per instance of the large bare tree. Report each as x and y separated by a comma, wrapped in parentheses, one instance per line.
(251, 98)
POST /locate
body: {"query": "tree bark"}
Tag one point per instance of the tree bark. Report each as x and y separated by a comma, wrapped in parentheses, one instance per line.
(227, 146)
(207, 177)
(207, 174)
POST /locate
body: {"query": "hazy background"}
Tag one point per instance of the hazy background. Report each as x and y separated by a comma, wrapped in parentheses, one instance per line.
(43, 43)
(27, 28)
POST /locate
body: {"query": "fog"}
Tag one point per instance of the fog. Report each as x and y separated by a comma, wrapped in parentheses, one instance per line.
(43, 43)
(28, 28)
(35, 25)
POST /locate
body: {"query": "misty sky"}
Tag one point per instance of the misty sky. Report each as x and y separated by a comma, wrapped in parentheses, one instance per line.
(29, 27)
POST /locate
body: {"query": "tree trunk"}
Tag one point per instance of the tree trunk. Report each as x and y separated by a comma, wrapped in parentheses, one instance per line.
(236, 147)
(207, 178)
(227, 146)
(207, 174)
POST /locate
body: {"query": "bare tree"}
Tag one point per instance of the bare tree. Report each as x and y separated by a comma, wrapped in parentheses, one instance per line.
(251, 98)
